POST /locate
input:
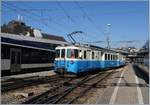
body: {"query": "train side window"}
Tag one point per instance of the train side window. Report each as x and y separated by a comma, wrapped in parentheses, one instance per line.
(111, 57)
(18, 58)
(80, 54)
(92, 55)
(76, 53)
(108, 57)
(105, 56)
(88, 55)
(63, 53)
(5, 52)
(98, 57)
(84, 54)
(116, 57)
(95, 55)
(13, 58)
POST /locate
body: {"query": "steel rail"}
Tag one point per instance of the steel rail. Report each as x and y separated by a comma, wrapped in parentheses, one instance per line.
(89, 88)
(26, 82)
(70, 89)
(38, 98)
(54, 98)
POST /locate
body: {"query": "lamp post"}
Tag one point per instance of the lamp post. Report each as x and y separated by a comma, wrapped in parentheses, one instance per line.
(108, 35)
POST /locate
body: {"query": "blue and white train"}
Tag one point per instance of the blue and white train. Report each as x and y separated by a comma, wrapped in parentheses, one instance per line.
(76, 59)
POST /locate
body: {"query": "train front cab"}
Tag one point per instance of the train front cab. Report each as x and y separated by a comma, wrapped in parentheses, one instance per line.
(66, 60)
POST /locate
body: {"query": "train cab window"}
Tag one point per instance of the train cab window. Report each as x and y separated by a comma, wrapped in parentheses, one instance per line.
(57, 53)
(84, 54)
(72, 53)
(63, 53)
(68, 53)
(76, 53)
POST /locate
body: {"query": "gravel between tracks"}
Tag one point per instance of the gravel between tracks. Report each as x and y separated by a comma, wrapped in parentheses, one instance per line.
(10, 98)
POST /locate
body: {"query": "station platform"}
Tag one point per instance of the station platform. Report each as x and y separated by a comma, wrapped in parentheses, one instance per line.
(126, 87)
(28, 75)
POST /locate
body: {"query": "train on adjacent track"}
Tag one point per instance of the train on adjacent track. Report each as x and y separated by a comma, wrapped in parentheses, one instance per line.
(77, 59)
(24, 54)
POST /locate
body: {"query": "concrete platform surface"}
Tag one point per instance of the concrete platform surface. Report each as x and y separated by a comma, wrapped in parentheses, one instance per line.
(128, 89)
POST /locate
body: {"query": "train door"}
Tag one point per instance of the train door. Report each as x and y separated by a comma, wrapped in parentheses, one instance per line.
(89, 59)
(63, 58)
(15, 56)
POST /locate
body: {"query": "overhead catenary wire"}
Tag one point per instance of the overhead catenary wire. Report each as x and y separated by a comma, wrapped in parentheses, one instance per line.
(87, 16)
(89, 19)
(67, 14)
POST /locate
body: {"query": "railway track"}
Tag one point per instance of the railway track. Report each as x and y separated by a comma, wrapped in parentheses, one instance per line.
(68, 91)
(29, 81)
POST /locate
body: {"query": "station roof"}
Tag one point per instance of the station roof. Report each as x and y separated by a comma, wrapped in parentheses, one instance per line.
(53, 37)
(30, 42)
(35, 39)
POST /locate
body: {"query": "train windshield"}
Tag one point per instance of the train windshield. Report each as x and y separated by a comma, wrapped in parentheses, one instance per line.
(57, 53)
(72, 53)
(63, 53)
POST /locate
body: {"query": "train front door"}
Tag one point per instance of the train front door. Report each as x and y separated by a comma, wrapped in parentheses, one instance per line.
(15, 55)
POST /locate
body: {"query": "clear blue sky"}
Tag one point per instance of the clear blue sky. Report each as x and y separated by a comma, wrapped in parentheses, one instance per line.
(129, 20)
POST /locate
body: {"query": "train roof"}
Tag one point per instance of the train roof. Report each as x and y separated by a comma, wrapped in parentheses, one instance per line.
(30, 42)
(91, 47)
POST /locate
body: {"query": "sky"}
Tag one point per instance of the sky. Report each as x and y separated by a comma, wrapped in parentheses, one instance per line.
(128, 20)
